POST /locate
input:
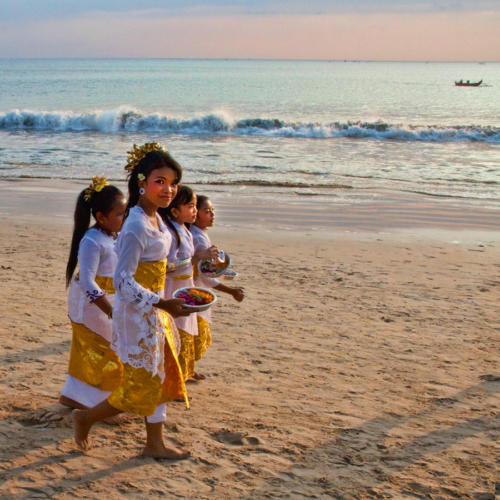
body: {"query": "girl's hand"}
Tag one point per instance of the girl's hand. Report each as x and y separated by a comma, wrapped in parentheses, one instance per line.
(208, 254)
(238, 294)
(175, 307)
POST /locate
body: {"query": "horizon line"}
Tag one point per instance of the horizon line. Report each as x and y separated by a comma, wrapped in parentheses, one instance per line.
(291, 59)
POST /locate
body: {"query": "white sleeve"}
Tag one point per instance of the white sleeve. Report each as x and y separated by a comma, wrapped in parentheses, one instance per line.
(200, 244)
(88, 257)
(126, 286)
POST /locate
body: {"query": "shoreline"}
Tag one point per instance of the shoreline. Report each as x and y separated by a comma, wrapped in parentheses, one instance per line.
(375, 213)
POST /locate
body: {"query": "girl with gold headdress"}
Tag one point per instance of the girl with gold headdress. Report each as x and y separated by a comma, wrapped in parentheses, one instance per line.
(142, 337)
(94, 369)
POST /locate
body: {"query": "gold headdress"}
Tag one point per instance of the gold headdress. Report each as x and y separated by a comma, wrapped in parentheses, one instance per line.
(97, 184)
(139, 152)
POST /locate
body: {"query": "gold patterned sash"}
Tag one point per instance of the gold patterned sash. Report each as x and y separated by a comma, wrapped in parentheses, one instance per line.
(182, 277)
(151, 275)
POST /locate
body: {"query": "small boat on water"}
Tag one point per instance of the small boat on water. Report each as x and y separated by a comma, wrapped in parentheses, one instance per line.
(468, 83)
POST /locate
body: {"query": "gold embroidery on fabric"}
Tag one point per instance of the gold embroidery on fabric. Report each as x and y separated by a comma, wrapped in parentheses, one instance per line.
(186, 356)
(203, 340)
(92, 361)
(151, 275)
(139, 392)
(182, 277)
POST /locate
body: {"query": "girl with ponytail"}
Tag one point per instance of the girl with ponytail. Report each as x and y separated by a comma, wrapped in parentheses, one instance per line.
(93, 368)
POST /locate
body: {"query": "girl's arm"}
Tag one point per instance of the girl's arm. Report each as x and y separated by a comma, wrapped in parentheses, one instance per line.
(131, 291)
(237, 292)
(103, 304)
(89, 256)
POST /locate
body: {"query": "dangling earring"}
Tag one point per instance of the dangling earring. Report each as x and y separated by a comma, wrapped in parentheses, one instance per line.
(141, 191)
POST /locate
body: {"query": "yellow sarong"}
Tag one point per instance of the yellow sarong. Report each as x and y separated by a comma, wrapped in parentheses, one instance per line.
(203, 340)
(91, 360)
(140, 392)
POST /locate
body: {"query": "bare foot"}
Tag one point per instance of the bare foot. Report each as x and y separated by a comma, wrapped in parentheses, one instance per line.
(71, 403)
(165, 452)
(81, 429)
(199, 376)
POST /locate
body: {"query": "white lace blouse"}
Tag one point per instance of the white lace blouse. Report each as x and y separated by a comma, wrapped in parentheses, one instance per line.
(96, 257)
(138, 327)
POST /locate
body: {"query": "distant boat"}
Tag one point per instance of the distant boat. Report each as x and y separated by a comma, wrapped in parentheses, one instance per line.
(468, 83)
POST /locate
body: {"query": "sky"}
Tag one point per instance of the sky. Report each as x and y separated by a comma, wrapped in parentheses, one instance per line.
(433, 30)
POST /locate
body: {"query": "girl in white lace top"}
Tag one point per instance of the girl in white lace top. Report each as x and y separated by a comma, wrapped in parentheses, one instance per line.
(141, 334)
(90, 376)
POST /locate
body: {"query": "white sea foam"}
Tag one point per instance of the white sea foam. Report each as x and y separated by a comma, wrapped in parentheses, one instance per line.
(130, 120)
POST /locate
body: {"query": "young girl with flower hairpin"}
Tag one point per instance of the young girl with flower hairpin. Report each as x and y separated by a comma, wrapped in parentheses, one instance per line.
(94, 369)
(178, 216)
(204, 219)
(141, 332)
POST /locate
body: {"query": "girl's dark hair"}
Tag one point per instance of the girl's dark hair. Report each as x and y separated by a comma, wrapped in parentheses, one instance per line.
(184, 196)
(100, 201)
(150, 162)
(200, 200)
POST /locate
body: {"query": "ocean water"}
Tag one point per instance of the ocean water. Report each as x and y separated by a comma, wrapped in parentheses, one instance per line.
(317, 128)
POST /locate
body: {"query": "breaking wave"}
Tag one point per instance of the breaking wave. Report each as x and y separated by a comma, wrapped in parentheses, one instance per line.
(129, 120)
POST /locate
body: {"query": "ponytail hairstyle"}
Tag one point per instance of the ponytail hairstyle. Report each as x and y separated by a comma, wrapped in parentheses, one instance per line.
(97, 198)
(141, 169)
(184, 196)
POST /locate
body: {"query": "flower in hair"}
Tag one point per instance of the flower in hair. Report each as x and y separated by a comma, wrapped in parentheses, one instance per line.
(139, 152)
(97, 184)
(141, 177)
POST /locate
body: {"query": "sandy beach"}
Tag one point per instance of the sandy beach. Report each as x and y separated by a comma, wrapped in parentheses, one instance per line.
(363, 362)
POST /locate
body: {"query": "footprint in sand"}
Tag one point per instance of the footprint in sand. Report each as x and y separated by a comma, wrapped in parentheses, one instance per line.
(45, 417)
(235, 438)
(228, 437)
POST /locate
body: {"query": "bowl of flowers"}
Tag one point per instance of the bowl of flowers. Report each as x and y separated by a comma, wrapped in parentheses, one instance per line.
(212, 268)
(196, 298)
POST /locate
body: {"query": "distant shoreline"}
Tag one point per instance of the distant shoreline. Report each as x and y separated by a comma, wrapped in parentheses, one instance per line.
(245, 59)
(263, 209)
